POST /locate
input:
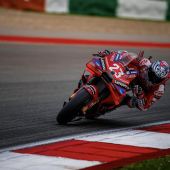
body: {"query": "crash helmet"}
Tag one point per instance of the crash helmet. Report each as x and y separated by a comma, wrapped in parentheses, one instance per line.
(158, 71)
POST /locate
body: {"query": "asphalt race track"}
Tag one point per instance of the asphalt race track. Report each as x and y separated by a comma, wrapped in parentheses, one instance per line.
(36, 79)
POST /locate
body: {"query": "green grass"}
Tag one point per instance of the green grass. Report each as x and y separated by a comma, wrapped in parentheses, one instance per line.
(162, 163)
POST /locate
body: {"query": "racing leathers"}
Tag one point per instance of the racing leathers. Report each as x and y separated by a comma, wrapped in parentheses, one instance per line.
(145, 93)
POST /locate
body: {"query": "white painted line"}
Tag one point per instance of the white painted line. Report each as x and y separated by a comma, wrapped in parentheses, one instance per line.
(80, 136)
(125, 136)
(17, 161)
(57, 6)
(145, 9)
(139, 138)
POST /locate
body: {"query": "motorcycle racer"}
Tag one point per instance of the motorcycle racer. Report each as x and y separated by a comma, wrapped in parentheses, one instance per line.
(112, 79)
(148, 86)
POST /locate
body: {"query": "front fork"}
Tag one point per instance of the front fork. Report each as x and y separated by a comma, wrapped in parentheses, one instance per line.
(97, 88)
(93, 91)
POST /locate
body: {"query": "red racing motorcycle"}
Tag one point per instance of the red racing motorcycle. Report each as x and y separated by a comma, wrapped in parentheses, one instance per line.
(103, 86)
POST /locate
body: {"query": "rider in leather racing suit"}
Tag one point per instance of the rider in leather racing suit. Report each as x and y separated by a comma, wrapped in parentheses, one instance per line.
(148, 87)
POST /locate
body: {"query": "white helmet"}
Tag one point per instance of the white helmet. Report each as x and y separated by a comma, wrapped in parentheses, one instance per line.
(158, 71)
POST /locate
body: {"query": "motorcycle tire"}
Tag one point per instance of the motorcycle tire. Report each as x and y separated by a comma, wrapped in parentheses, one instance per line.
(73, 107)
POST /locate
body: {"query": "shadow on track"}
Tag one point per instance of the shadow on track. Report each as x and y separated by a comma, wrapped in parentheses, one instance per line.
(101, 123)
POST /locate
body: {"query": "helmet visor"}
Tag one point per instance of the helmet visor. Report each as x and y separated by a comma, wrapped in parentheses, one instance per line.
(153, 77)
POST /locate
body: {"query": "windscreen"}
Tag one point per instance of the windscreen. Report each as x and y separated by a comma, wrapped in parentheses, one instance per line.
(126, 58)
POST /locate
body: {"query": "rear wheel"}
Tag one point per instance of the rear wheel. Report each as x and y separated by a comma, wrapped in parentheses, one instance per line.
(73, 107)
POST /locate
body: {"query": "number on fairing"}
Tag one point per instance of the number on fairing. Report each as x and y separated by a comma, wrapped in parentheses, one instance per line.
(118, 70)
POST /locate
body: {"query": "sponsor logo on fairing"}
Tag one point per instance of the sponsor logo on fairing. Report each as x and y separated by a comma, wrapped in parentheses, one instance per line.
(97, 63)
(119, 83)
(132, 72)
(103, 64)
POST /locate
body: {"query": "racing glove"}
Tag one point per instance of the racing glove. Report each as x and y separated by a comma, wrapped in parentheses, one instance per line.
(138, 91)
(138, 99)
(133, 102)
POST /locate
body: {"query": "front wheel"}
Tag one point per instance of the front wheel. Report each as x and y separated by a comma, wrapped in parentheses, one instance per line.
(73, 107)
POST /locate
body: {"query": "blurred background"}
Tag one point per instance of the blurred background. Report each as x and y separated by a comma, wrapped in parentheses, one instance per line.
(109, 19)
(35, 78)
